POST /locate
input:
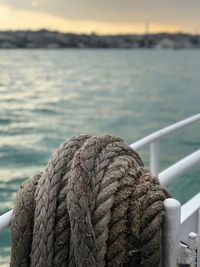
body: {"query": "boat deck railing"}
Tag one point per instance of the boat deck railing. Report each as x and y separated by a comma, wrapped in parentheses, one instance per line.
(179, 221)
(154, 141)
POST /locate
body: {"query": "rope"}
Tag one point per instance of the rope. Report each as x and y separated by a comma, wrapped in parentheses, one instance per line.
(94, 205)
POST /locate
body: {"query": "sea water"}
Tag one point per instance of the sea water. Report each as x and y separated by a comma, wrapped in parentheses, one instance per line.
(47, 96)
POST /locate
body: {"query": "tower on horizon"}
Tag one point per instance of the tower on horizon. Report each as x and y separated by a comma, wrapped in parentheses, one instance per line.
(147, 27)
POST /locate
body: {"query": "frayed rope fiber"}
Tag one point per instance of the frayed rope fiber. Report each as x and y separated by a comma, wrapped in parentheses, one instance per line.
(94, 205)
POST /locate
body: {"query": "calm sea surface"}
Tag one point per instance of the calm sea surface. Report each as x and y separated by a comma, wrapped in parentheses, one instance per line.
(47, 96)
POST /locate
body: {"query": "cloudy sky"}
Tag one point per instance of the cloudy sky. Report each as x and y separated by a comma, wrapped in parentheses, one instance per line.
(101, 16)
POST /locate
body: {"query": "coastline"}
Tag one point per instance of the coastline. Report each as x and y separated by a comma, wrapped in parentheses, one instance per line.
(56, 40)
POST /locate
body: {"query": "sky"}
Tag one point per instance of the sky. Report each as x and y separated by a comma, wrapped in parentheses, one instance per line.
(101, 16)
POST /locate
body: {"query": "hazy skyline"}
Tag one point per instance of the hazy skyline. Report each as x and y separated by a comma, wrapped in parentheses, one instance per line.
(105, 16)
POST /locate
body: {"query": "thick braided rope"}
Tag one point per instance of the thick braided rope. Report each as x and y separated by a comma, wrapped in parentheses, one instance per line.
(46, 198)
(22, 224)
(147, 217)
(94, 205)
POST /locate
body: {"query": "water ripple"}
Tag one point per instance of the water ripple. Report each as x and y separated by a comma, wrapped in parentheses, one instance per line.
(47, 96)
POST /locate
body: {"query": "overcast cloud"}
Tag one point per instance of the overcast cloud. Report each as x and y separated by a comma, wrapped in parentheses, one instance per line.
(172, 11)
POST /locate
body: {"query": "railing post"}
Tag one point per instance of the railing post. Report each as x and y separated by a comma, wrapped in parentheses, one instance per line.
(171, 229)
(155, 157)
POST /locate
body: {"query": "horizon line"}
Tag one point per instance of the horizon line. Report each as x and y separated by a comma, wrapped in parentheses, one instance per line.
(96, 33)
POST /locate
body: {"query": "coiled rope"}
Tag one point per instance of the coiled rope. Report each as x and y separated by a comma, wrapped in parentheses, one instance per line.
(94, 205)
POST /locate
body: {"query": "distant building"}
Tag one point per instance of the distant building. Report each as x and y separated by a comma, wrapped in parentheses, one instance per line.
(165, 43)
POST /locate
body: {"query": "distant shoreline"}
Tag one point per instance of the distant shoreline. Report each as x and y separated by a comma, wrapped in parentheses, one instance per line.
(55, 40)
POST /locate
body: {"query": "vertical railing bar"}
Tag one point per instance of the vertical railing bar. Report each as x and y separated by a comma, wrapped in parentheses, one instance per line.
(171, 231)
(155, 157)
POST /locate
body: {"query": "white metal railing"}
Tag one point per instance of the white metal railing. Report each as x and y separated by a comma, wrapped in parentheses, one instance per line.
(171, 229)
(190, 223)
(5, 220)
(154, 141)
(190, 208)
(179, 168)
(172, 206)
(176, 226)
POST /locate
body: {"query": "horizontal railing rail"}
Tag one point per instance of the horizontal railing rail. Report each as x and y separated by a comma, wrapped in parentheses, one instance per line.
(179, 168)
(160, 133)
(190, 207)
(5, 220)
(165, 176)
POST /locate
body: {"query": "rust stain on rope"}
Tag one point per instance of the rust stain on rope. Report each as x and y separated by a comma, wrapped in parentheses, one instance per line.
(94, 205)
